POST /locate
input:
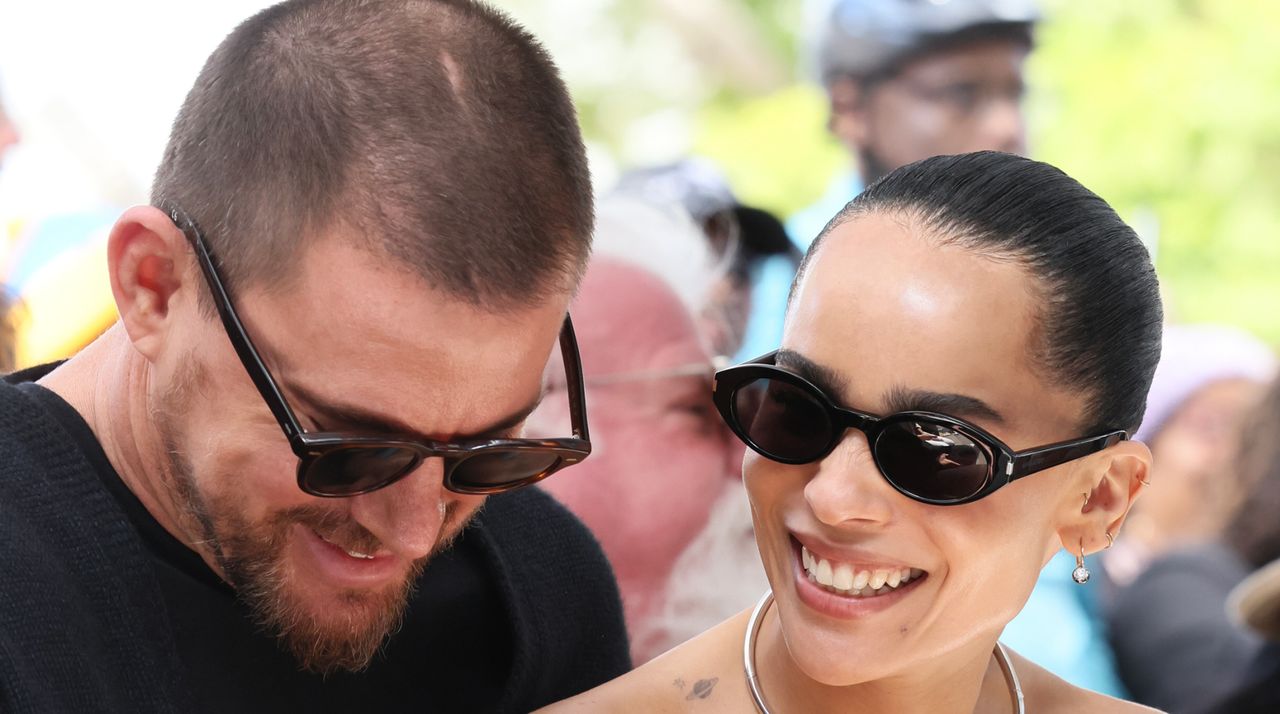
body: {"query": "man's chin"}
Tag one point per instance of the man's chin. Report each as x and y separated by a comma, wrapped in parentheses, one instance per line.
(332, 607)
(329, 620)
(329, 630)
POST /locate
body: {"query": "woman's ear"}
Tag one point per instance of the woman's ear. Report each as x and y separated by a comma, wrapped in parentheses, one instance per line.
(146, 253)
(1106, 486)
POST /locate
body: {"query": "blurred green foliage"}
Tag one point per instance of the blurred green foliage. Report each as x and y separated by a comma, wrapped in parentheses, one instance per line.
(1169, 109)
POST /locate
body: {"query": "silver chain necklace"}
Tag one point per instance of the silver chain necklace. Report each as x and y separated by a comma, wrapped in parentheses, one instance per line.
(753, 679)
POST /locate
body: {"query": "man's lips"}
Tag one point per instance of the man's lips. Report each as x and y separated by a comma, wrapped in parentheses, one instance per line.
(335, 565)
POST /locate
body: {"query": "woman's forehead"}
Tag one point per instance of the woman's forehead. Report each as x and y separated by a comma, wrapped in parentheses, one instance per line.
(891, 309)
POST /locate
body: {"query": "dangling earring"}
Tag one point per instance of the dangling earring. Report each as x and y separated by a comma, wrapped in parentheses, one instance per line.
(1081, 573)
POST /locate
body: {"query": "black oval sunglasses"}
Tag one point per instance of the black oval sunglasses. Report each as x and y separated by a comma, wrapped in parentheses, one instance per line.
(929, 457)
(337, 464)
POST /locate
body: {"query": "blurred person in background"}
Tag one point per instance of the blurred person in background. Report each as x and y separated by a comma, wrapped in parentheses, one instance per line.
(8, 132)
(1256, 603)
(718, 575)
(905, 80)
(52, 265)
(1209, 378)
(660, 454)
(8, 327)
(8, 338)
(1212, 520)
(744, 242)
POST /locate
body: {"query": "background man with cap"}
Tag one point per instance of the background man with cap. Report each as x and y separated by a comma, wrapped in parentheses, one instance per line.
(905, 80)
(909, 80)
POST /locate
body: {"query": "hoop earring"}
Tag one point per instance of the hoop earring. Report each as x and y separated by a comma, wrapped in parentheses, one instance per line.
(1144, 481)
(1081, 573)
(1111, 540)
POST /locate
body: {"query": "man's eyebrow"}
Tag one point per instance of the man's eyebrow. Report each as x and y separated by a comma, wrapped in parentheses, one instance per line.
(361, 419)
(902, 399)
(824, 378)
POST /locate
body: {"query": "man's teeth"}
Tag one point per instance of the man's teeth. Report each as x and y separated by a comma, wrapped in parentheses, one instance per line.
(352, 553)
(842, 577)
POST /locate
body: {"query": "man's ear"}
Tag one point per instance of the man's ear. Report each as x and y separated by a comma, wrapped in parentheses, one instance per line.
(1107, 484)
(848, 120)
(146, 255)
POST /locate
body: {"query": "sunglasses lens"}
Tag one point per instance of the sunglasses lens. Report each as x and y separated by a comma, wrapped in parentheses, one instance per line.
(781, 420)
(351, 470)
(932, 460)
(488, 471)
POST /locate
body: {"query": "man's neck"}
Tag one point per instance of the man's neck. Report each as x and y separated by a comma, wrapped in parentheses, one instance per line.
(108, 384)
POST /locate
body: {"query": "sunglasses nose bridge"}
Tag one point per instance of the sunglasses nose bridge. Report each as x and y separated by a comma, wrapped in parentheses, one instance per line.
(846, 419)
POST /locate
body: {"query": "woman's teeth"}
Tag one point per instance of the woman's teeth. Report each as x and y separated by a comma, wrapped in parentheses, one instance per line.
(842, 578)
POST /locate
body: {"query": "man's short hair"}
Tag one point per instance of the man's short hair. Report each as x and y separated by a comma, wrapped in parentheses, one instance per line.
(436, 132)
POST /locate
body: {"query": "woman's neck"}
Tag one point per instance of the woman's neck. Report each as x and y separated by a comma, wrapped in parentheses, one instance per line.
(964, 681)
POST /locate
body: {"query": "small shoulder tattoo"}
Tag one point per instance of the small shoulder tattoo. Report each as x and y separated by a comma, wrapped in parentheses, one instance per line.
(702, 688)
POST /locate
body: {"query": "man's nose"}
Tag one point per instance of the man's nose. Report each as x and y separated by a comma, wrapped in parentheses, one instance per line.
(407, 516)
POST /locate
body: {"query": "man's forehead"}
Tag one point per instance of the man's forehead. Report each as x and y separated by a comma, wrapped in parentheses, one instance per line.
(969, 60)
(354, 328)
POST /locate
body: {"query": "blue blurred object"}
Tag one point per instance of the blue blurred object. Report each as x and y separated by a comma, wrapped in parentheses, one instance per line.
(1062, 629)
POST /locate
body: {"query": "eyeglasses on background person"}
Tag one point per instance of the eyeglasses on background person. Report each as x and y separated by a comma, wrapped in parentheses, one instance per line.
(929, 457)
(340, 463)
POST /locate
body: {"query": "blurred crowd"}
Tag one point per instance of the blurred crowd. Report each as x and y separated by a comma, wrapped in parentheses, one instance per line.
(686, 277)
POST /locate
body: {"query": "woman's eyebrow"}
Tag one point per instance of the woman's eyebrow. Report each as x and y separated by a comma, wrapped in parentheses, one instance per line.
(898, 398)
(824, 378)
(903, 399)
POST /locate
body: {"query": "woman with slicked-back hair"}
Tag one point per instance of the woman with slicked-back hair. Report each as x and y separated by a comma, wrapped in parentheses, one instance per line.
(968, 346)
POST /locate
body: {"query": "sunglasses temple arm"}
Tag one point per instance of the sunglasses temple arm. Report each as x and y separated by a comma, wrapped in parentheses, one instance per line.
(248, 354)
(573, 376)
(1025, 463)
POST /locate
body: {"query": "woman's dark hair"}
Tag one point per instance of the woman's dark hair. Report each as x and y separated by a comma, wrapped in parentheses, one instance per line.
(1253, 530)
(1099, 324)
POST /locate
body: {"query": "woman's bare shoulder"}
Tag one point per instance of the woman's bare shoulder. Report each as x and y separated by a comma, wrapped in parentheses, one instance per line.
(702, 675)
(1046, 693)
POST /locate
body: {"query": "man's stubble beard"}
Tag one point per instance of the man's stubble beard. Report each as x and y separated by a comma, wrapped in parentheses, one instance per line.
(252, 558)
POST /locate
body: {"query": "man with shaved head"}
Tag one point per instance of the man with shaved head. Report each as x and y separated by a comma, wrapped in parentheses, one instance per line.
(262, 489)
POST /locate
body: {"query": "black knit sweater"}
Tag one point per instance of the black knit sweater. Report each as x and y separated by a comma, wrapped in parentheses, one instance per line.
(83, 620)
